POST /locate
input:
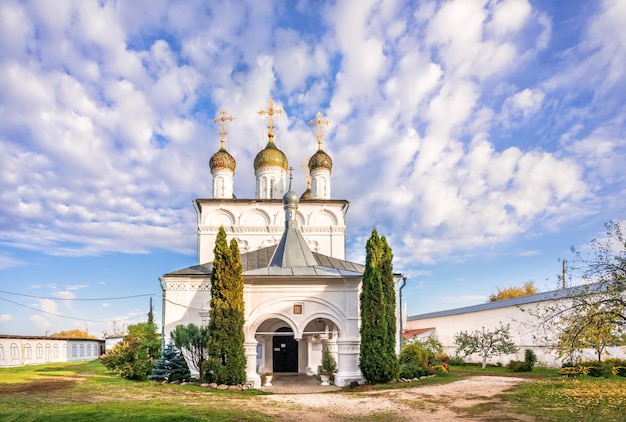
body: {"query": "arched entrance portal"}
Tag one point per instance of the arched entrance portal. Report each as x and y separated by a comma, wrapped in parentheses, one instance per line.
(284, 351)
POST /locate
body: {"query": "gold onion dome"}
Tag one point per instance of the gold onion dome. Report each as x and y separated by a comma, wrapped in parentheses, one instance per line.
(270, 156)
(320, 160)
(222, 160)
(306, 195)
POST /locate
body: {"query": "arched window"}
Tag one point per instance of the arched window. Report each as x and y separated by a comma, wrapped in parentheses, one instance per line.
(56, 351)
(15, 352)
(74, 350)
(64, 350)
(89, 350)
(48, 352)
(27, 351)
(82, 350)
(39, 351)
(1, 353)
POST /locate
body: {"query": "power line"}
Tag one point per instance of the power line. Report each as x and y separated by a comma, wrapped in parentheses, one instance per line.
(60, 298)
(68, 317)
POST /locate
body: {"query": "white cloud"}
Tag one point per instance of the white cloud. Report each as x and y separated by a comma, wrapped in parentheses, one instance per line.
(64, 295)
(75, 286)
(40, 321)
(5, 317)
(48, 306)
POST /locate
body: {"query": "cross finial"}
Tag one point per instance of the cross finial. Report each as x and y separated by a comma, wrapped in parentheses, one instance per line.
(290, 176)
(224, 118)
(270, 112)
(319, 133)
(307, 172)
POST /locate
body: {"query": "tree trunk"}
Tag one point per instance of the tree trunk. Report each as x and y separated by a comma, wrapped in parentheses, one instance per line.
(484, 361)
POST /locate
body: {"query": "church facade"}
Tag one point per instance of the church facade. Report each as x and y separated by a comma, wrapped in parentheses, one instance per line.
(301, 294)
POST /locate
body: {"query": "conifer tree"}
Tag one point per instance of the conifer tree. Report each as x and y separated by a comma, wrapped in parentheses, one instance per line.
(389, 297)
(227, 360)
(374, 360)
(171, 366)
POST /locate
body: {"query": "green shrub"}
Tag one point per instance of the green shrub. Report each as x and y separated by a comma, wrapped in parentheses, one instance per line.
(526, 366)
(410, 370)
(456, 361)
(618, 366)
(516, 366)
(593, 368)
(414, 353)
(130, 359)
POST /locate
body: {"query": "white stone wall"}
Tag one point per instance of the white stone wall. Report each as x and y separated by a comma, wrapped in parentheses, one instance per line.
(523, 329)
(333, 300)
(20, 351)
(258, 224)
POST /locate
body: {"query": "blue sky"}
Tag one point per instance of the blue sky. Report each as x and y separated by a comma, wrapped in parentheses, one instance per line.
(482, 138)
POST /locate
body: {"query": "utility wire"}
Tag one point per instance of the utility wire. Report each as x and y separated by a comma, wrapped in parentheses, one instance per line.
(68, 317)
(60, 298)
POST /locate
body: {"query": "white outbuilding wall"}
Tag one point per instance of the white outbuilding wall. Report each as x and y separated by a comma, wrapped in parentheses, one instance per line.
(523, 327)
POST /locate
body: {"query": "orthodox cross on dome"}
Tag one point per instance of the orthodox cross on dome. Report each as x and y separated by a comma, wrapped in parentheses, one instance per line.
(224, 118)
(307, 172)
(270, 112)
(290, 176)
(319, 132)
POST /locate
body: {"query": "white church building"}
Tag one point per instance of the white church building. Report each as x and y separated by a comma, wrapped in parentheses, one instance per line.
(301, 295)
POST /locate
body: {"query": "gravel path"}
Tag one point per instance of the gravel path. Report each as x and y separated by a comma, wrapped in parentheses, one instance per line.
(432, 403)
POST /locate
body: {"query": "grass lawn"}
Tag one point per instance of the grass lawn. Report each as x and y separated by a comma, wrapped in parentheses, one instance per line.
(86, 391)
(548, 396)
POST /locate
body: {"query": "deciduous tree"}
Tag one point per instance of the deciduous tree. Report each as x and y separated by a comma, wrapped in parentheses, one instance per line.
(72, 334)
(486, 343)
(514, 291)
(592, 315)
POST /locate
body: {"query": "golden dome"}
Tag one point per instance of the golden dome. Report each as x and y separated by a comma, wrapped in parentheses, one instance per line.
(306, 195)
(320, 160)
(222, 160)
(270, 156)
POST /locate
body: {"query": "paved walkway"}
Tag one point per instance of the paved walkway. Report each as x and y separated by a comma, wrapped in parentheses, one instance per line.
(290, 383)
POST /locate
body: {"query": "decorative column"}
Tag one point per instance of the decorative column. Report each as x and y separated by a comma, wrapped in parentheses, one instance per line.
(252, 376)
(348, 361)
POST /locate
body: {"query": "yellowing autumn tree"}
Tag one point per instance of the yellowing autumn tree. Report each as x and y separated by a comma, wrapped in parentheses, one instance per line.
(514, 291)
(72, 334)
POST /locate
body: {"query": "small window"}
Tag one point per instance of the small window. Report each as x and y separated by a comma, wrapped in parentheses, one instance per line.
(27, 351)
(15, 352)
(74, 350)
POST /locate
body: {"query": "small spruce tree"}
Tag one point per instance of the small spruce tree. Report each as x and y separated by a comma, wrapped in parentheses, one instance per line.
(171, 366)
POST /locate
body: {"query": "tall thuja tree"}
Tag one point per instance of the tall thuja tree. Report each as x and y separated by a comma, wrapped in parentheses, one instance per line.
(227, 359)
(374, 359)
(389, 298)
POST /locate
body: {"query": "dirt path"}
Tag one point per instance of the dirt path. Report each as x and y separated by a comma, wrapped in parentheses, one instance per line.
(432, 403)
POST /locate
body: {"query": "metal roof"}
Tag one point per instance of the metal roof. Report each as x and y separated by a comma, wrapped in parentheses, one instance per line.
(258, 263)
(522, 300)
